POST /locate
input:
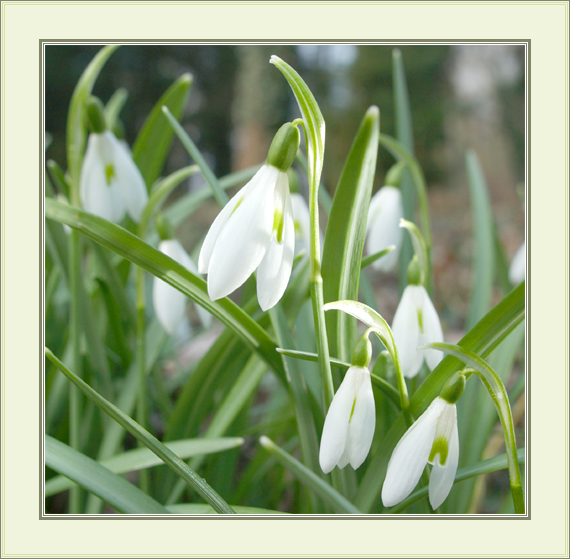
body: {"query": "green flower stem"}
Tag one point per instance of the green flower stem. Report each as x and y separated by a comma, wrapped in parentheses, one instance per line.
(75, 340)
(141, 362)
(402, 154)
(498, 393)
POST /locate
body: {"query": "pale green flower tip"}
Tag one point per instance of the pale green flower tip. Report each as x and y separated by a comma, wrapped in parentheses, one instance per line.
(394, 175)
(95, 115)
(362, 353)
(453, 388)
(284, 147)
(164, 227)
(414, 272)
(265, 442)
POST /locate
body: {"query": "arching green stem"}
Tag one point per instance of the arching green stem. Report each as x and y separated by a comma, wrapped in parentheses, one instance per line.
(498, 393)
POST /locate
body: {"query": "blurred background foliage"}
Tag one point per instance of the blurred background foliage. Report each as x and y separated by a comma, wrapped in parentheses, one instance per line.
(461, 97)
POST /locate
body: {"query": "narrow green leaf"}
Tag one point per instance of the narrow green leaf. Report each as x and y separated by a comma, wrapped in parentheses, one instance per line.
(309, 478)
(133, 249)
(163, 452)
(373, 257)
(76, 133)
(153, 141)
(482, 339)
(58, 176)
(160, 192)
(480, 468)
(240, 394)
(193, 508)
(114, 106)
(344, 239)
(112, 488)
(308, 438)
(483, 225)
(141, 458)
(405, 135)
(194, 152)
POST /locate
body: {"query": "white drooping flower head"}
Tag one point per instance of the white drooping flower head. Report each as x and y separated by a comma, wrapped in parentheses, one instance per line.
(518, 266)
(169, 303)
(432, 438)
(255, 230)
(416, 324)
(351, 418)
(383, 227)
(110, 183)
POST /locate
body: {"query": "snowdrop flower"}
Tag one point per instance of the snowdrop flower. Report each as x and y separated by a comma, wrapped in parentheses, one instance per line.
(432, 438)
(416, 324)
(383, 226)
(351, 419)
(110, 183)
(169, 303)
(255, 230)
(517, 267)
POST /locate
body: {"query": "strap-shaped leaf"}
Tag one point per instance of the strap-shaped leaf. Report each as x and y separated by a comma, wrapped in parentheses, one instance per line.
(314, 121)
(160, 449)
(309, 478)
(112, 488)
(344, 239)
(141, 458)
(133, 249)
(484, 257)
(153, 141)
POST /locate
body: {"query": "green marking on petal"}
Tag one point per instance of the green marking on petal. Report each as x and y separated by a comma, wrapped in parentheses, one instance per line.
(278, 223)
(420, 321)
(298, 230)
(352, 410)
(440, 446)
(109, 173)
(237, 206)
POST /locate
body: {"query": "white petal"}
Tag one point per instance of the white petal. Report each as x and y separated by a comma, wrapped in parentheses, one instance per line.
(129, 179)
(335, 429)
(411, 455)
(275, 269)
(406, 331)
(442, 477)
(383, 227)
(169, 305)
(222, 218)
(518, 266)
(174, 249)
(243, 240)
(362, 423)
(302, 218)
(98, 197)
(432, 332)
